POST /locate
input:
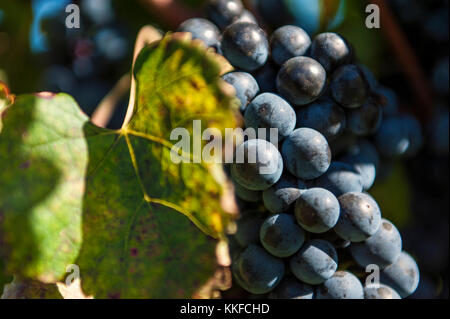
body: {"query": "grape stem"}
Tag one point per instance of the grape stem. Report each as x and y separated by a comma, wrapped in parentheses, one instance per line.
(407, 60)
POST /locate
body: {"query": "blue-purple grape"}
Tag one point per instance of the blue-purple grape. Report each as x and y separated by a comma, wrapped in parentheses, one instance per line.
(306, 153)
(256, 271)
(301, 80)
(317, 210)
(281, 236)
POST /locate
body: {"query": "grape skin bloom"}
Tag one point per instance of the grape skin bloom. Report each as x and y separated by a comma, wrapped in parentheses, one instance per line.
(316, 261)
(301, 80)
(260, 167)
(257, 271)
(360, 217)
(270, 111)
(245, 45)
(343, 285)
(281, 236)
(317, 210)
(306, 153)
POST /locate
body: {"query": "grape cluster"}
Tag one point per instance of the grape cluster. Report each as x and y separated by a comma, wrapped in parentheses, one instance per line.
(305, 209)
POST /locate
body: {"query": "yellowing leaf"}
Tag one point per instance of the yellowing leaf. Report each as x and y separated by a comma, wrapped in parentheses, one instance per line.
(112, 202)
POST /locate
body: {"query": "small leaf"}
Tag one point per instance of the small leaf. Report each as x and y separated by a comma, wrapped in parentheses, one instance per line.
(113, 202)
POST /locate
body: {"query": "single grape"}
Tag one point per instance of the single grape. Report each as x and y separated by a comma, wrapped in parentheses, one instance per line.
(112, 44)
(281, 196)
(268, 111)
(245, 86)
(301, 80)
(381, 249)
(402, 276)
(399, 136)
(224, 12)
(331, 50)
(245, 193)
(100, 12)
(380, 291)
(317, 210)
(349, 86)
(258, 165)
(202, 29)
(365, 159)
(281, 236)
(366, 119)
(360, 217)
(248, 226)
(340, 178)
(306, 153)
(343, 285)
(257, 271)
(288, 42)
(291, 288)
(245, 45)
(324, 116)
(316, 261)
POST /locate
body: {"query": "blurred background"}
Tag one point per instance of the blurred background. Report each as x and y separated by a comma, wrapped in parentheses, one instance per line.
(409, 54)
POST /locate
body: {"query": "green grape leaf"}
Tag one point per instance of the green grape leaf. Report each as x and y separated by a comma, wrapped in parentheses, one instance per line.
(137, 224)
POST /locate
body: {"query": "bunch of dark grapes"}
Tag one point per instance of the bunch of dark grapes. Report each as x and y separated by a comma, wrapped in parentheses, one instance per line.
(308, 227)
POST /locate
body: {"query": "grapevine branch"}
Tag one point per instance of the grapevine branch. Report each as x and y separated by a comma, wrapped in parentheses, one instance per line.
(407, 60)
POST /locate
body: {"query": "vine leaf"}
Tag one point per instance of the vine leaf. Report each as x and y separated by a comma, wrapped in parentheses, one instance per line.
(113, 202)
